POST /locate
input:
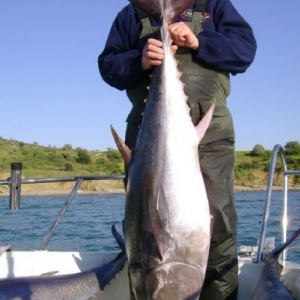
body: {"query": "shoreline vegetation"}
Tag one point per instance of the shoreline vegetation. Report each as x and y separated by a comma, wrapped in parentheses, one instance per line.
(251, 168)
(103, 187)
(121, 191)
(64, 188)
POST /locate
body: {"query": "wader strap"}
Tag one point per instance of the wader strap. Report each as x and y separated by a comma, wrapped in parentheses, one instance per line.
(141, 14)
(196, 25)
(146, 24)
(200, 5)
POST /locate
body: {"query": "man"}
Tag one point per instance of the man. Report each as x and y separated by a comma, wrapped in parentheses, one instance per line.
(212, 41)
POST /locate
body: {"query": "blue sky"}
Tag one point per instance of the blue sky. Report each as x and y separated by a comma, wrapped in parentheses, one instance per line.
(51, 91)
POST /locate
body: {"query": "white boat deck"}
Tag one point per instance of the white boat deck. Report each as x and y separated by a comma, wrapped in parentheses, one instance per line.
(30, 263)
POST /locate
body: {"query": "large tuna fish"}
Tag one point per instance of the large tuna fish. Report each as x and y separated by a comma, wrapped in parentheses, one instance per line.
(270, 287)
(79, 286)
(167, 222)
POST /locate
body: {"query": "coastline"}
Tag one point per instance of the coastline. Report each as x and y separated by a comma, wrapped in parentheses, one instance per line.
(65, 188)
(64, 191)
(116, 186)
(263, 188)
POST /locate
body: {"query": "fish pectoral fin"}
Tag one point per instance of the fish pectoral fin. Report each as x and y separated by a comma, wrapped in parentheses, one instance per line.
(164, 243)
(211, 224)
(152, 245)
(160, 244)
(160, 248)
(204, 123)
(158, 236)
(160, 223)
(123, 148)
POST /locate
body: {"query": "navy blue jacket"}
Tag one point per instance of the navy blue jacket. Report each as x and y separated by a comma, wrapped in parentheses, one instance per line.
(226, 43)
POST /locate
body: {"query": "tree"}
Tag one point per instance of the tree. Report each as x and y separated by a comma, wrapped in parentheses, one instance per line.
(246, 163)
(83, 156)
(69, 166)
(67, 147)
(258, 150)
(113, 155)
(292, 148)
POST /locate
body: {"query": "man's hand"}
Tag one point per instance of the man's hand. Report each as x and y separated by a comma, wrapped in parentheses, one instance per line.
(183, 36)
(153, 54)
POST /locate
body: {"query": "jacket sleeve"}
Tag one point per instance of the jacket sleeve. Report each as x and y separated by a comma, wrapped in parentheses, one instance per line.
(120, 61)
(229, 44)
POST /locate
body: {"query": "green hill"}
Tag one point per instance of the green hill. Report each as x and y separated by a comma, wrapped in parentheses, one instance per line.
(251, 168)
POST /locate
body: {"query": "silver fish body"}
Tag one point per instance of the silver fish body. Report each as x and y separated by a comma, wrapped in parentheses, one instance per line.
(270, 286)
(167, 223)
(79, 286)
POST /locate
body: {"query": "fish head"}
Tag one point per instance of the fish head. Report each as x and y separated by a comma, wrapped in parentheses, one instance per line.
(152, 7)
(270, 260)
(167, 281)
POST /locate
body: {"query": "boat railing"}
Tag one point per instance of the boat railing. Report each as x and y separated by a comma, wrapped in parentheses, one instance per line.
(277, 150)
(15, 182)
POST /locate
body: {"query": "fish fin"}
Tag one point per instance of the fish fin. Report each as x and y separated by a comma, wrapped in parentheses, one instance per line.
(157, 228)
(152, 244)
(123, 148)
(280, 248)
(159, 224)
(211, 224)
(120, 240)
(204, 123)
(160, 247)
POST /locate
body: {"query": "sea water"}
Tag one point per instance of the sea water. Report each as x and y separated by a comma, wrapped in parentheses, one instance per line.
(86, 226)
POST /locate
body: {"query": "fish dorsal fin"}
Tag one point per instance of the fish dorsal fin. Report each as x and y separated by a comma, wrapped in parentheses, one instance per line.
(204, 123)
(123, 148)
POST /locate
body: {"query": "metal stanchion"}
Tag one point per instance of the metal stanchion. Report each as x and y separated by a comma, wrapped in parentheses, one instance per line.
(15, 185)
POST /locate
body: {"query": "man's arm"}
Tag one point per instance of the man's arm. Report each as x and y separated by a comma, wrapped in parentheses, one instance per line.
(120, 61)
(227, 44)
